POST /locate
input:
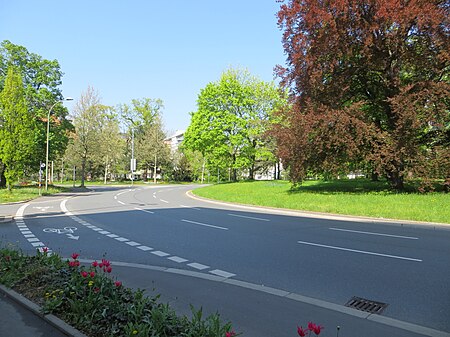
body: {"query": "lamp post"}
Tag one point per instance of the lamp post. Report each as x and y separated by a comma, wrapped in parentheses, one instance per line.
(48, 131)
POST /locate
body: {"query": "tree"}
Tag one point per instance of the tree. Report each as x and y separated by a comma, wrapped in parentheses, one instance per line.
(90, 140)
(232, 117)
(369, 83)
(41, 80)
(17, 126)
(143, 118)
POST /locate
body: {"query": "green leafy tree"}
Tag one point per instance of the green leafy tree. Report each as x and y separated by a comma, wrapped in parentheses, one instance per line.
(17, 126)
(89, 142)
(41, 80)
(229, 126)
(143, 118)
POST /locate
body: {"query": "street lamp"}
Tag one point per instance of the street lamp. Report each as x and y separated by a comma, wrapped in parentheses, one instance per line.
(48, 131)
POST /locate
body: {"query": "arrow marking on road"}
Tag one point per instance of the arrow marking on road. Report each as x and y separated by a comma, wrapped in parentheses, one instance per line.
(73, 237)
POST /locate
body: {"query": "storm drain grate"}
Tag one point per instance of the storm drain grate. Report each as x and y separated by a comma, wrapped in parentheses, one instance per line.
(366, 305)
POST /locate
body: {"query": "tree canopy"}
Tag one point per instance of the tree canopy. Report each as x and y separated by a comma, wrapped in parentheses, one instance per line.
(232, 117)
(369, 83)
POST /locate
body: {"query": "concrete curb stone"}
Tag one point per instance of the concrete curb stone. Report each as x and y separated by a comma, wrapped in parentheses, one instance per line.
(37, 310)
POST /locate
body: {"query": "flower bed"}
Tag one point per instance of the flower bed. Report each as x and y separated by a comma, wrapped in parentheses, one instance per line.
(87, 298)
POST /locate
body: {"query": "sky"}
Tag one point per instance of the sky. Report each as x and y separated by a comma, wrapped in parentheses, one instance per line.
(157, 49)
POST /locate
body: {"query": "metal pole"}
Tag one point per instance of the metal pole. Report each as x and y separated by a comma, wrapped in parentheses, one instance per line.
(132, 155)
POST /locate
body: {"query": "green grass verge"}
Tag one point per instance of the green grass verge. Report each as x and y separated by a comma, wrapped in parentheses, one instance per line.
(349, 197)
(21, 193)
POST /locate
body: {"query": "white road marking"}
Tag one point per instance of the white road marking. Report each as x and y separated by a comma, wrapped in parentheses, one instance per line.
(160, 253)
(198, 266)
(37, 244)
(104, 232)
(164, 201)
(26, 232)
(121, 239)
(177, 259)
(120, 202)
(113, 235)
(33, 239)
(132, 243)
(248, 217)
(144, 210)
(222, 273)
(29, 235)
(372, 233)
(360, 251)
(144, 248)
(97, 229)
(204, 224)
(115, 197)
(190, 207)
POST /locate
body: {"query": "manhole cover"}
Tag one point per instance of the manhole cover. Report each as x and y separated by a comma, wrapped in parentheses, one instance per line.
(366, 305)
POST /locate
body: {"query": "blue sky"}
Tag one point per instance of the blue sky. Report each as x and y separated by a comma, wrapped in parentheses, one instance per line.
(157, 49)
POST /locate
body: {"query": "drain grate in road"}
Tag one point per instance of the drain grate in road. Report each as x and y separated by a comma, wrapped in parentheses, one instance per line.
(366, 305)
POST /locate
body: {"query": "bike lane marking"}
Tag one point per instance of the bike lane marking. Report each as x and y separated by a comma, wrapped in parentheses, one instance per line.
(26, 232)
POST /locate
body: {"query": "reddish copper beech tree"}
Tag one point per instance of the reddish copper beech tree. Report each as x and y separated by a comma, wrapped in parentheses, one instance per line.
(369, 83)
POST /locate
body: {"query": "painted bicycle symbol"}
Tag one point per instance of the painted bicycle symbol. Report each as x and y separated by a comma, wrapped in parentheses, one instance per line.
(65, 230)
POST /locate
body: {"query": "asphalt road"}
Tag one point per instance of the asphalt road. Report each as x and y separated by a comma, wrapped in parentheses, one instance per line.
(405, 266)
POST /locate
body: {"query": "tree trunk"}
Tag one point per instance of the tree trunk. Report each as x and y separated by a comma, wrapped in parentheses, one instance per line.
(154, 171)
(396, 180)
(83, 167)
(2, 175)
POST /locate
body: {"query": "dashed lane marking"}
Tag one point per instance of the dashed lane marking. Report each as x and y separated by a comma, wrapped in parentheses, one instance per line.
(373, 233)
(198, 266)
(144, 248)
(144, 210)
(360, 251)
(164, 201)
(26, 232)
(204, 224)
(190, 207)
(248, 217)
(177, 259)
(222, 273)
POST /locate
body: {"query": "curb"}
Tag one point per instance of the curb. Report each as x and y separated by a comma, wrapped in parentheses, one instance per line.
(6, 218)
(37, 310)
(327, 216)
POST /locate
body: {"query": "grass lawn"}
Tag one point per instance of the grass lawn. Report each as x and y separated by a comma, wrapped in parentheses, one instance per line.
(21, 193)
(351, 197)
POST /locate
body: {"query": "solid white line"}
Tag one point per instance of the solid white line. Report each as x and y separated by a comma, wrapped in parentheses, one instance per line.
(360, 251)
(143, 210)
(120, 202)
(164, 201)
(203, 224)
(198, 266)
(248, 217)
(372, 233)
(222, 273)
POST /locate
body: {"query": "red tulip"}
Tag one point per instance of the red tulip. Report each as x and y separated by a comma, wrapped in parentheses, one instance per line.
(230, 334)
(117, 283)
(317, 329)
(94, 264)
(108, 270)
(92, 274)
(45, 249)
(311, 326)
(301, 332)
(96, 290)
(84, 274)
(75, 256)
